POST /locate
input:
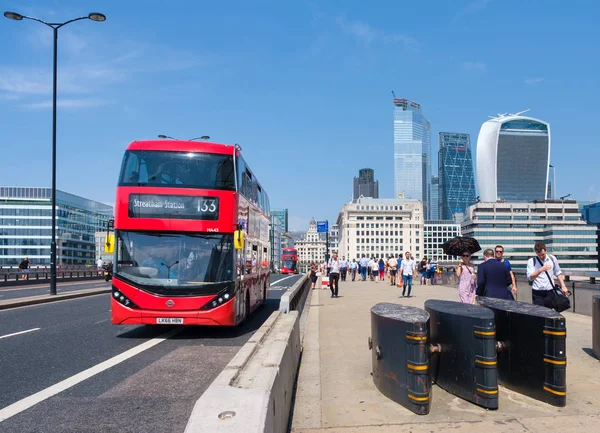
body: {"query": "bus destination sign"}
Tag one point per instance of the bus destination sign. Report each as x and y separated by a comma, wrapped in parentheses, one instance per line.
(185, 207)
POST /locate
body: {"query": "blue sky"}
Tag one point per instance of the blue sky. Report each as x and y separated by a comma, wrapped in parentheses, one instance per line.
(303, 86)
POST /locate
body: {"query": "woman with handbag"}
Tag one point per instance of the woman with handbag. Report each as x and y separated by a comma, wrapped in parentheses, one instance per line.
(466, 279)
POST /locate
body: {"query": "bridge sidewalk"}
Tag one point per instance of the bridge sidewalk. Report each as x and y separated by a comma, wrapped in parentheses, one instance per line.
(336, 393)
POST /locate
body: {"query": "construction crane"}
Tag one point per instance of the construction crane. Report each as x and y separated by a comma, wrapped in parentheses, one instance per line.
(393, 94)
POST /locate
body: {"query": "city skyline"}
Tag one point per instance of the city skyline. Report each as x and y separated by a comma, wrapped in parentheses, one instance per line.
(251, 85)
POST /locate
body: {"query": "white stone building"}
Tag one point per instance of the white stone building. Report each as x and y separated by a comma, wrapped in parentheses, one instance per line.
(381, 228)
(311, 248)
(435, 234)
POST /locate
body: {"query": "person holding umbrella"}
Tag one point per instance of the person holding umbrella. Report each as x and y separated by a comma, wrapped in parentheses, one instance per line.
(467, 279)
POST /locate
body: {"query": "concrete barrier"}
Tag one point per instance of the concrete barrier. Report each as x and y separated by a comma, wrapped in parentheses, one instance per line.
(293, 298)
(254, 392)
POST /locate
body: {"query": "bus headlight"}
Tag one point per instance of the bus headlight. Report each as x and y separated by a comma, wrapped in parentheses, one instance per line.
(122, 299)
(222, 297)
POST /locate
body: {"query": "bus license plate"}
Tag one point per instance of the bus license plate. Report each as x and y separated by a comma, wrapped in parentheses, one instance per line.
(169, 321)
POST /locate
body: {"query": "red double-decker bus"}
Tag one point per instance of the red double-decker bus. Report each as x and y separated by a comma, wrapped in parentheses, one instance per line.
(289, 261)
(191, 236)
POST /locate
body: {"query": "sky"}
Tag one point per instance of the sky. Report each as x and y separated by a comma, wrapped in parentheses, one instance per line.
(303, 86)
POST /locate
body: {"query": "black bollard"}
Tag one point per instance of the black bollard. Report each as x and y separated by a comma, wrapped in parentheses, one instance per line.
(596, 325)
(399, 341)
(532, 356)
(466, 365)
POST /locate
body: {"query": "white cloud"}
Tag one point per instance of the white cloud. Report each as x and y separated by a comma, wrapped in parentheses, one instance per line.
(475, 66)
(67, 103)
(367, 35)
(533, 81)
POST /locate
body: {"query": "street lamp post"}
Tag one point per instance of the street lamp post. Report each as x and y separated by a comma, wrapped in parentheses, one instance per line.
(94, 16)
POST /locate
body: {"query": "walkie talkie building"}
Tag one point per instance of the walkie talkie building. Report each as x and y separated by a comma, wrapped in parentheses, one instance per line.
(513, 156)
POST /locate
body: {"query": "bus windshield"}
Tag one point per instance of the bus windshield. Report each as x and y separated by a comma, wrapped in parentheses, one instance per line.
(175, 263)
(289, 264)
(177, 169)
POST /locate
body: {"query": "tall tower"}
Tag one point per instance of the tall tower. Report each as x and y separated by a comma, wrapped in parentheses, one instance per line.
(365, 184)
(513, 157)
(412, 144)
(455, 168)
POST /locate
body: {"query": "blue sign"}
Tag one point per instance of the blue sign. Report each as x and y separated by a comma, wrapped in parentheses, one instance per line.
(322, 226)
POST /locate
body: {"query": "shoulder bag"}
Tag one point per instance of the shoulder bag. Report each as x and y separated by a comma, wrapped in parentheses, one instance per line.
(560, 302)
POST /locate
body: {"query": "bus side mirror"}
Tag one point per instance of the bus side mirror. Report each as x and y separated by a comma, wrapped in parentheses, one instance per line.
(238, 239)
(109, 246)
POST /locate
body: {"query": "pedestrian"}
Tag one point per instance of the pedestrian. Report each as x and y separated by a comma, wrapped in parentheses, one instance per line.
(343, 268)
(374, 269)
(428, 272)
(541, 271)
(499, 254)
(24, 268)
(434, 265)
(313, 274)
(334, 275)
(370, 268)
(422, 270)
(467, 279)
(393, 267)
(364, 263)
(407, 270)
(493, 278)
(353, 268)
(381, 270)
(99, 266)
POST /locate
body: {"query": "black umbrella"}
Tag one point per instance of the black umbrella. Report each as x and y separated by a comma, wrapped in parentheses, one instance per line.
(459, 245)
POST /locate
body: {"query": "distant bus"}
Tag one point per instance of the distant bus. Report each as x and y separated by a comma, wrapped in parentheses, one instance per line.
(289, 261)
(191, 234)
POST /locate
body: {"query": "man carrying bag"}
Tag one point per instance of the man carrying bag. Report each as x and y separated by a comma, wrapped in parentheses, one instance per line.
(540, 272)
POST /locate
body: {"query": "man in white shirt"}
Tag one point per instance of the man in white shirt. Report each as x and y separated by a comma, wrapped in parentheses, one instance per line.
(99, 264)
(334, 266)
(407, 270)
(363, 267)
(353, 268)
(343, 268)
(541, 271)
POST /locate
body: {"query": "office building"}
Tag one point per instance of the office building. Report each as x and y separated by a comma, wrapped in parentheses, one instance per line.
(518, 226)
(412, 147)
(591, 215)
(551, 194)
(26, 226)
(435, 233)
(513, 157)
(381, 228)
(100, 241)
(334, 234)
(311, 247)
(276, 241)
(455, 171)
(282, 214)
(434, 199)
(365, 184)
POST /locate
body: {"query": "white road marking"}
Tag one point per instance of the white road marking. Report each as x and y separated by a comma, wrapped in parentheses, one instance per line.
(101, 321)
(19, 333)
(284, 278)
(59, 387)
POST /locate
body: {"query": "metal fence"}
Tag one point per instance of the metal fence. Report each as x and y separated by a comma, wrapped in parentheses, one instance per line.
(10, 276)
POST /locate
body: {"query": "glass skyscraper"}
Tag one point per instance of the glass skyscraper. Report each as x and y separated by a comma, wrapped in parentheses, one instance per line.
(434, 199)
(513, 158)
(26, 226)
(455, 169)
(412, 144)
(282, 215)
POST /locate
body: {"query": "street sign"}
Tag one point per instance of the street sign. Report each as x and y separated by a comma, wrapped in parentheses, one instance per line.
(322, 226)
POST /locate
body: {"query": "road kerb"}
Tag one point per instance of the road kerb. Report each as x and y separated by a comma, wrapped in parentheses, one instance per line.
(42, 299)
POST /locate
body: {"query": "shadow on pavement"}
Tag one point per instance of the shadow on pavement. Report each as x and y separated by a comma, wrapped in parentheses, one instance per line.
(589, 351)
